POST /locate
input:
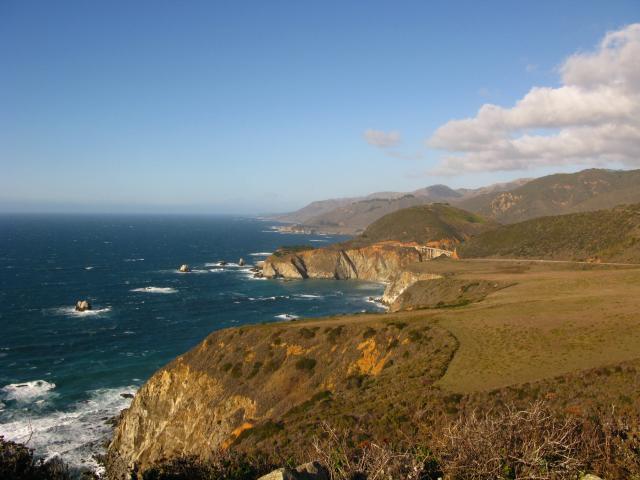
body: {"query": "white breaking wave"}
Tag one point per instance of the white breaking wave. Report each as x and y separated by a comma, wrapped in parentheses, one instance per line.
(75, 435)
(222, 264)
(89, 268)
(260, 254)
(262, 299)
(287, 316)
(194, 270)
(155, 290)
(307, 295)
(72, 312)
(377, 302)
(27, 391)
(134, 259)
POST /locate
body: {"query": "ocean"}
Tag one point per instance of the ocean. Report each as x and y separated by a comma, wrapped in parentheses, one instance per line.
(64, 374)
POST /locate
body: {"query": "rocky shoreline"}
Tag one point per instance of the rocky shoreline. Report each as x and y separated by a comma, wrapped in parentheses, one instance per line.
(382, 262)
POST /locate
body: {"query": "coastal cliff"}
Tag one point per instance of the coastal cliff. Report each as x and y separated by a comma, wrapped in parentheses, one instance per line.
(261, 387)
(378, 262)
(382, 262)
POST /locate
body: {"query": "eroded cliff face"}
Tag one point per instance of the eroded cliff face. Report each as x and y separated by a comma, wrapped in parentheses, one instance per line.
(246, 387)
(401, 281)
(382, 262)
(378, 262)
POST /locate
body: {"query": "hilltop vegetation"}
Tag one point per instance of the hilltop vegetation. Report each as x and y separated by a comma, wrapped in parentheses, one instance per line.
(604, 235)
(436, 222)
(355, 217)
(583, 191)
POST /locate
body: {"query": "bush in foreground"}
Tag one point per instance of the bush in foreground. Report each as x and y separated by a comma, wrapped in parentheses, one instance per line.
(510, 444)
(224, 466)
(534, 443)
(17, 463)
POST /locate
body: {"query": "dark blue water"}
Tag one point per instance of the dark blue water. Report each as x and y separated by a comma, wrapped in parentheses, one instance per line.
(63, 373)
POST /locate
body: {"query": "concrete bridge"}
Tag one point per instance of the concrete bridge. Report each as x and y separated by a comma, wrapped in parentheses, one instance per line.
(431, 252)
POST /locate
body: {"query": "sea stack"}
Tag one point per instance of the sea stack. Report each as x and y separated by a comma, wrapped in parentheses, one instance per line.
(241, 262)
(184, 268)
(82, 306)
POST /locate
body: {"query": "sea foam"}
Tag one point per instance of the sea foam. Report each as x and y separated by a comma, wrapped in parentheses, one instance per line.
(72, 312)
(155, 290)
(287, 316)
(76, 435)
(26, 392)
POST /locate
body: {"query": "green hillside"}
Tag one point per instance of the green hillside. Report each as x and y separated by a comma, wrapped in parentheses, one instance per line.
(605, 235)
(355, 217)
(425, 223)
(559, 194)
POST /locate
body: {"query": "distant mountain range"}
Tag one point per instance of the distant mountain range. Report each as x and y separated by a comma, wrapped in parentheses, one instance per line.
(509, 202)
(352, 215)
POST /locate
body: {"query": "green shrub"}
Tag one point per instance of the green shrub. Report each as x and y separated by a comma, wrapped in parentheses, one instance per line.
(398, 325)
(355, 380)
(261, 432)
(273, 365)
(255, 369)
(415, 336)
(306, 363)
(224, 466)
(369, 332)
(236, 371)
(306, 333)
(282, 251)
(334, 333)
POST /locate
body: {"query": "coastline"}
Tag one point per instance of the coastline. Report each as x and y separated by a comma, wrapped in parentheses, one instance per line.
(139, 300)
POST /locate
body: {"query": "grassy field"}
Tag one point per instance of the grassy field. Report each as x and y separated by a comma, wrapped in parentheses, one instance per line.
(554, 319)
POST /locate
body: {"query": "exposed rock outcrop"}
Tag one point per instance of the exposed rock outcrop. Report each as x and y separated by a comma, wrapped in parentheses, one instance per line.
(378, 262)
(82, 306)
(308, 471)
(184, 268)
(381, 262)
(401, 282)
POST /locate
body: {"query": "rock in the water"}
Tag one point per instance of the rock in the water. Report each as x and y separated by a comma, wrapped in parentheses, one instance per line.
(126, 395)
(308, 471)
(82, 306)
(184, 268)
(241, 262)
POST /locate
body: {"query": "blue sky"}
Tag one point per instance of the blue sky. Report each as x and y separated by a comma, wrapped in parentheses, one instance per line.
(245, 107)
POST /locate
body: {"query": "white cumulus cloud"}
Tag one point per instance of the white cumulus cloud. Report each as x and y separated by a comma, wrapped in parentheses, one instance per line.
(593, 118)
(381, 139)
